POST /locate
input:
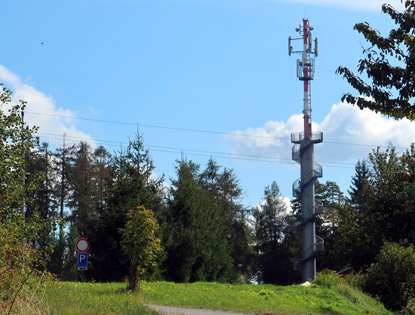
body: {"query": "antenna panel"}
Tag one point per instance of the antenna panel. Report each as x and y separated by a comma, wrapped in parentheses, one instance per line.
(299, 69)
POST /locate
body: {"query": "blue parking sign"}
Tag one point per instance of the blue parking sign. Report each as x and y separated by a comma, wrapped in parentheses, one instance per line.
(82, 261)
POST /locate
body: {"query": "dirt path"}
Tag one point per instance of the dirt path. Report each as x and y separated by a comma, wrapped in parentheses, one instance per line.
(172, 310)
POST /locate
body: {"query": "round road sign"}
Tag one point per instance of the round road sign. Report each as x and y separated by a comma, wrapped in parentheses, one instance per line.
(82, 245)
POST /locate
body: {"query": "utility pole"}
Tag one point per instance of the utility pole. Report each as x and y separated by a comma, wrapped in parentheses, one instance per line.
(62, 206)
(22, 210)
(303, 153)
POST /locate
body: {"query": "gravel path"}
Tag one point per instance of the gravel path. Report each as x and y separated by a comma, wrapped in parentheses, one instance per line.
(172, 310)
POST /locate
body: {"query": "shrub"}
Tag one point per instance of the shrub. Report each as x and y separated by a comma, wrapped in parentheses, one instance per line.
(19, 260)
(392, 277)
(410, 307)
(266, 293)
(356, 280)
(327, 278)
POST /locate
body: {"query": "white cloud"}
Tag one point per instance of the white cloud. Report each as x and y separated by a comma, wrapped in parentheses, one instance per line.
(38, 102)
(359, 5)
(349, 134)
(285, 200)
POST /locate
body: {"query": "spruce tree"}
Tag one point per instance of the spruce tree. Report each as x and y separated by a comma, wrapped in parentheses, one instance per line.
(80, 201)
(60, 191)
(224, 186)
(274, 259)
(381, 207)
(197, 245)
(132, 184)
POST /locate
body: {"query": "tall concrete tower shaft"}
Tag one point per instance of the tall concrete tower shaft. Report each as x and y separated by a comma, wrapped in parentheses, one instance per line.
(303, 153)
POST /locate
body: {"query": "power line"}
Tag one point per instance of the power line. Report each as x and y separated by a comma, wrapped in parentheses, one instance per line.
(201, 130)
(158, 126)
(176, 150)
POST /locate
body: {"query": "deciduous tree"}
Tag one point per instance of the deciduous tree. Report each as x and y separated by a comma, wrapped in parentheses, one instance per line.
(140, 243)
(389, 64)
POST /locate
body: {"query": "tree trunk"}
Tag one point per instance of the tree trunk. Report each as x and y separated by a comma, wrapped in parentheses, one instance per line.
(133, 278)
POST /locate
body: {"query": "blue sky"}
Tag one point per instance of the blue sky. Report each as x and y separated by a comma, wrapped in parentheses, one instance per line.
(191, 75)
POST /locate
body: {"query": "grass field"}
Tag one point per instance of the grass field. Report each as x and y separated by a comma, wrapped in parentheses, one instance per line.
(111, 298)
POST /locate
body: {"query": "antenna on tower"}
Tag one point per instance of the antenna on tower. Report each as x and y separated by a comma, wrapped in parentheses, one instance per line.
(303, 153)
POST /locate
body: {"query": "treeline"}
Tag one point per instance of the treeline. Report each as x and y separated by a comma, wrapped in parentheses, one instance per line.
(204, 232)
(207, 234)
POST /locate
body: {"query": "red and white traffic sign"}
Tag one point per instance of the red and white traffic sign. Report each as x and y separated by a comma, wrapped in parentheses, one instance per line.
(82, 245)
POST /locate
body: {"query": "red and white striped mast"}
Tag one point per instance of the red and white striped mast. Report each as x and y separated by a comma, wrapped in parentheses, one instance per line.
(305, 69)
(306, 64)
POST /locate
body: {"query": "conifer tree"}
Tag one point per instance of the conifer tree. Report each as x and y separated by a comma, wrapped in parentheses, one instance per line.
(223, 185)
(274, 259)
(132, 184)
(60, 167)
(41, 202)
(197, 246)
(80, 200)
(381, 208)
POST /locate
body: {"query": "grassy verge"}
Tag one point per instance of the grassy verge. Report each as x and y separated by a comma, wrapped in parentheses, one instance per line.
(93, 298)
(109, 298)
(264, 299)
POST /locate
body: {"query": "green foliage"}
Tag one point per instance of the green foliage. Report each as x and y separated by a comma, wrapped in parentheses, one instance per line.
(15, 141)
(224, 187)
(409, 309)
(392, 276)
(391, 90)
(274, 239)
(266, 293)
(16, 264)
(196, 244)
(140, 243)
(332, 203)
(381, 207)
(269, 217)
(80, 183)
(20, 230)
(131, 183)
(21, 262)
(356, 280)
(328, 278)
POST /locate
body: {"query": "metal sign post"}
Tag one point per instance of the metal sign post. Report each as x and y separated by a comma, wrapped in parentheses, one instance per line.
(82, 246)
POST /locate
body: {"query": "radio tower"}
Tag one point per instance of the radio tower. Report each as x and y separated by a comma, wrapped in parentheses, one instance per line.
(303, 153)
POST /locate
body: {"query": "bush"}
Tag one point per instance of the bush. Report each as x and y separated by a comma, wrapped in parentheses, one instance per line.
(327, 278)
(392, 277)
(410, 307)
(356, 280)
(19, 260)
